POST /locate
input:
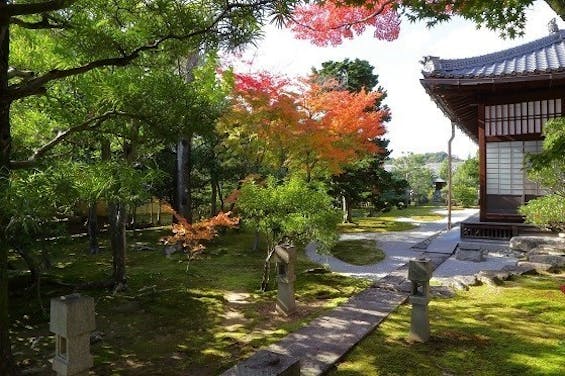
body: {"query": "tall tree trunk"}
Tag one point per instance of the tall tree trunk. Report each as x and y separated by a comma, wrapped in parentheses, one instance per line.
(159, 212)
(152, 213)
(7, 365)
(117, 218)
(213, 196)
(92, 228)
(188, 173)
(183, 201)
(346, 205)
(349, 216)
(220, 197)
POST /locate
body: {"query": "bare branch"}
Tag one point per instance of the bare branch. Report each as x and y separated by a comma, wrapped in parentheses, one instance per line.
(15, 72)
(87, 125)
(34, 8)
(44, 23)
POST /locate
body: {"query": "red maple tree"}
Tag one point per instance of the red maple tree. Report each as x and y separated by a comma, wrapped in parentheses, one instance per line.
(302, 124)
(192, 236)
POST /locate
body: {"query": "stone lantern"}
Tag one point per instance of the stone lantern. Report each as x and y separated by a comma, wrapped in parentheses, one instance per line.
(72, 320)
(286, 275)
(420, 273)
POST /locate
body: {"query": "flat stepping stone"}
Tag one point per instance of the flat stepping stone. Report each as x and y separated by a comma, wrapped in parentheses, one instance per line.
(328, 338)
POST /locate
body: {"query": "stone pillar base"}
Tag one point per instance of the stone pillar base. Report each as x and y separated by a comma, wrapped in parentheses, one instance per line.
(420, 322)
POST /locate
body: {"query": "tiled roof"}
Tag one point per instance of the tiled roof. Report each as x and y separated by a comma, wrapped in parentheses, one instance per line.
(545, 55)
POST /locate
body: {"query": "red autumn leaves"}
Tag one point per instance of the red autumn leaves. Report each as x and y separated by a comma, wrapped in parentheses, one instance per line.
(303, 124)
(330, 22)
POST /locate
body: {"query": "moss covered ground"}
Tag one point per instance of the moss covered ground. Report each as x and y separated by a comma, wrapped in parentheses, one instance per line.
(513, 329)
(170, 322)
(357, 252)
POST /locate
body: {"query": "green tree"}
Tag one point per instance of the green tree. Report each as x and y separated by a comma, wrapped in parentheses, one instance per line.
(293, 211)
(412, 168)
(44, 42)
(548, 169)
(466, 183)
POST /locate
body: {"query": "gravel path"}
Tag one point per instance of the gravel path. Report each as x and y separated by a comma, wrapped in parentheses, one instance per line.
(396, 246)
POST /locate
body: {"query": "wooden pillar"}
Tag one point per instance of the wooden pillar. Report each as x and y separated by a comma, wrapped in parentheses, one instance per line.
(449, 176)
(482, 163)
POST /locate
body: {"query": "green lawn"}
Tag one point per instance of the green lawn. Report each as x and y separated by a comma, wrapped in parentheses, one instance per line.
(357, 252)
(514, 329)
(389, 221)
(170, 322)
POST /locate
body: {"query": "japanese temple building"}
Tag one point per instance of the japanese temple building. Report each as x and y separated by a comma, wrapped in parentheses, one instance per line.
(501, 101)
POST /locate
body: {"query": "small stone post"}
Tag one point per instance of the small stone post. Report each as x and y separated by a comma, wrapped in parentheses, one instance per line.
(286, 263)
(420, 273)
(72, 320)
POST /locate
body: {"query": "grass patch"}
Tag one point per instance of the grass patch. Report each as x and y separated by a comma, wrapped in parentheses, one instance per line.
(357, 252)
(513, 329)
(169, 321)
(389, 221)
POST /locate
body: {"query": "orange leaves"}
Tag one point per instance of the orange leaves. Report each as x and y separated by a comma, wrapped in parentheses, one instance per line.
(303, 124)
(192, 236)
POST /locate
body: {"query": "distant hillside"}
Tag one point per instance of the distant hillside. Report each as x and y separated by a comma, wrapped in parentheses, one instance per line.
(432, 161)
(437, 157)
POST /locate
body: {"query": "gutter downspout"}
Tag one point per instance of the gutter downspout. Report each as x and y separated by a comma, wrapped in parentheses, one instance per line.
(449, 174)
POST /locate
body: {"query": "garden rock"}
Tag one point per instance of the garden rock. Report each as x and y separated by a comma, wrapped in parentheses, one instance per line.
(492, 277)
(172, 249)
(443, 292)
(547, 254)
(538, 267)
(144, 248)
(96, 337)
(469, 252)
(527, 243)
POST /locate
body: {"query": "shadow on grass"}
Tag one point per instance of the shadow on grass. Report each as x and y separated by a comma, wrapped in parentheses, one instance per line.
(486, 331)
(170, 322)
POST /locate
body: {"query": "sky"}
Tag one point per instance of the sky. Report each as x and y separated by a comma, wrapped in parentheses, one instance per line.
(417, 124)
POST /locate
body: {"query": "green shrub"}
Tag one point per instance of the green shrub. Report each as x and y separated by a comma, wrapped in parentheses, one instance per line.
(465, 196)
(546, 212)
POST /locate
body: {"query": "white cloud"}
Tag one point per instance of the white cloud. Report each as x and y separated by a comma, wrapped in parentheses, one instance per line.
(417, 124)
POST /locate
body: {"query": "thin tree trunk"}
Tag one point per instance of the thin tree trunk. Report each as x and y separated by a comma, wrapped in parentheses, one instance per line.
(158, 212)
(220, 197)
(183, 201)
(92, 228)
(188, 172)
(152, 221)
(344, 209)
(30, 263)
(213, 196)
(349, 217)
(256, 239)
(7, 364)
(133, 216)
(267, 269)
(117, 213)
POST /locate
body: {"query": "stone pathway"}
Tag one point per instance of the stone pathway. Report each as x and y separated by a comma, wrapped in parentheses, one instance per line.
(324, 341)
(399, 247)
